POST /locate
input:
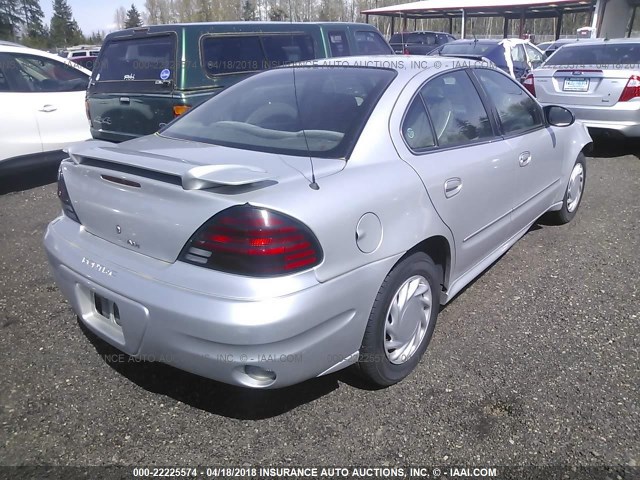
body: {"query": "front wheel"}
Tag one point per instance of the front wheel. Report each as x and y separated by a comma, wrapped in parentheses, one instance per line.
(573, 193)
(402, 321)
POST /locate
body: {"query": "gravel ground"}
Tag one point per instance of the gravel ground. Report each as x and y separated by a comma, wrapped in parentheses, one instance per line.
(535, 363)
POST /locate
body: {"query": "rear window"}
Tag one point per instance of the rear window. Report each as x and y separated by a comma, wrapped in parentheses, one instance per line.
(466, 48)
(320, 111)
(371, 43)
(601, 55)
(413, 37)
(224, 54)
(149, 59)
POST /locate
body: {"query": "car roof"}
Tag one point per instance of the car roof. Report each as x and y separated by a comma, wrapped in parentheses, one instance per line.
(602, 41)
(421, 32)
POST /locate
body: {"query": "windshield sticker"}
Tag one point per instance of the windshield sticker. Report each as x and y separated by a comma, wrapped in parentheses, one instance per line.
(165, 74)
(97, 77)
(131, 76)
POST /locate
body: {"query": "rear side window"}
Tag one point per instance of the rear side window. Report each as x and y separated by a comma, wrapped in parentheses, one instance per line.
(224, 54)
(150, 59)
(589, 54)
(371, 43)
(456, 111)
(423, 38)
(339, 44)
(416, 128)
(517, 111)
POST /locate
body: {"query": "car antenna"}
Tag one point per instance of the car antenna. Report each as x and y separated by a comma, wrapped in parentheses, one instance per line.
(313, 185)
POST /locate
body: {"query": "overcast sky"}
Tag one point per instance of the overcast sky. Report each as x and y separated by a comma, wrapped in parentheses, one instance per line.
(93, 15)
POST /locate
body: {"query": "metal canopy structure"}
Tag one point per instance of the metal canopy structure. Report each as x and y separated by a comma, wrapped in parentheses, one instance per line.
(507, 9)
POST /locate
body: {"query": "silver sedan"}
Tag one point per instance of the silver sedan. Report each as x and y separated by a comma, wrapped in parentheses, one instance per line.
(310, 217)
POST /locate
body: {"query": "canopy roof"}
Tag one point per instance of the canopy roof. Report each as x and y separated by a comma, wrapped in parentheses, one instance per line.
(483, 8)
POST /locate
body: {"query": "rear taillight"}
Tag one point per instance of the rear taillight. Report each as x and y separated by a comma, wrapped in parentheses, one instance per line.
(65, 200)
(253, 241)
(529, 84)
(631, 90)
(405, 51)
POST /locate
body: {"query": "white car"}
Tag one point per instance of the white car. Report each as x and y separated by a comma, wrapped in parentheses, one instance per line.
(42, 98)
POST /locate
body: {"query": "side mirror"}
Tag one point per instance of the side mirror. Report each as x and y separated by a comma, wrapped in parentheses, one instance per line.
(558, 116)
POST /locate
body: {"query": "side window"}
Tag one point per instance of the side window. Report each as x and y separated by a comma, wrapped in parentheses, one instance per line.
(371, 43)
(517, 54)
(416, 128)
(535, 57)
(339, 44)
(42, 74)
(517, 111)
(4, 84)
(230, 54)
(284, 49)
(456, 110)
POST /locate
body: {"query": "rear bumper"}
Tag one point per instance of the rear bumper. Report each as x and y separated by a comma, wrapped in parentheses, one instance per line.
(315, 329)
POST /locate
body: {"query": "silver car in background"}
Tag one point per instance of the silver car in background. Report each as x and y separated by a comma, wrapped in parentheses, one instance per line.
(598, 80)
(309, 217)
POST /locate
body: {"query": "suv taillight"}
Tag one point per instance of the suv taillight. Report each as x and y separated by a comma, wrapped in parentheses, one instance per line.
(65, 200)
(405, 51)
(253, 241)
(631, 90)
(529, 84)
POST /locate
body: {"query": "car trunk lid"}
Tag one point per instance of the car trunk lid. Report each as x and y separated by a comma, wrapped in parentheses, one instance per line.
(151, 194)
(584, 86)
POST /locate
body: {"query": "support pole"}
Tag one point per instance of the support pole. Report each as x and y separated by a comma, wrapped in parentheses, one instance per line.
(451, 25)
(559, 24)
(633, 17)
(393, 21)
(505, 27)
(366, 18)
(521, 26)
(464, 21)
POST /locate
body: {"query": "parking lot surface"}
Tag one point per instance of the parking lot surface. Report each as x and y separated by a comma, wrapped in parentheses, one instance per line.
(535, 363)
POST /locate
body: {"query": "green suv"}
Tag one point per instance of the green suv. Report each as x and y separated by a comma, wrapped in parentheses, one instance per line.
(147, 76)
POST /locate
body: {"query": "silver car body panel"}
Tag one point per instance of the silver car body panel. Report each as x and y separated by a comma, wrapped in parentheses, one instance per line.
(310, 323)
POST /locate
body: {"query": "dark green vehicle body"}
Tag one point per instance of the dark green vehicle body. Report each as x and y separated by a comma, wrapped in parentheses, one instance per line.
(146, 76)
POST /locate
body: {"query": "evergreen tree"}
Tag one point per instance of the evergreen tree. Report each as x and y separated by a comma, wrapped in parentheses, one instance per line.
(35, 29)
(133, 18)
(10, 19)
(248, 10)
(64, 30)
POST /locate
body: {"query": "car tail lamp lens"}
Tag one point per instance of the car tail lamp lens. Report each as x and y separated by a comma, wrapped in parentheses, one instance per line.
(65, 200)
(180, 109)
(529, 84)
(405, 51)
(632, 90)
(253, 241)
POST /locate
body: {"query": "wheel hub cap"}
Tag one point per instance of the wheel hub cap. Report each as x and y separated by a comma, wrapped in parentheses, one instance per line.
(576, 184)
(407, 319)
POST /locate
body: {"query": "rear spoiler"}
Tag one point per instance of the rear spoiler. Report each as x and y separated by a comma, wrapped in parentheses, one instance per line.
(192, 177)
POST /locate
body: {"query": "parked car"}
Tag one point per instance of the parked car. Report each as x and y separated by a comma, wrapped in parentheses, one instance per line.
(80, 52)
(599, 81)
(43, 97)
(549, 47)
(86, 62)
(148, 76)
(514, 56)
(418, 43)
(299, 223)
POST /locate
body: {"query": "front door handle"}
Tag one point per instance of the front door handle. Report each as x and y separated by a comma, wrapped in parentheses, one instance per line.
(524, 159)
(452, 187)
(48, 108)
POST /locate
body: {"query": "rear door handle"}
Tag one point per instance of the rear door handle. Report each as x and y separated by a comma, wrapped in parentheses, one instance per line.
(524, 159)
(48, 108)
(452, 187)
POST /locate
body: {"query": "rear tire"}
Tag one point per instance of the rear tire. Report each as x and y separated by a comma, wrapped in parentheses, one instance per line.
(402, 321)
(573, 193)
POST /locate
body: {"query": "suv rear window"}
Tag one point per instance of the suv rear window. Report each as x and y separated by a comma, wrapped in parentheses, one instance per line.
(150, 59)
(589, 54)
(224, 54)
